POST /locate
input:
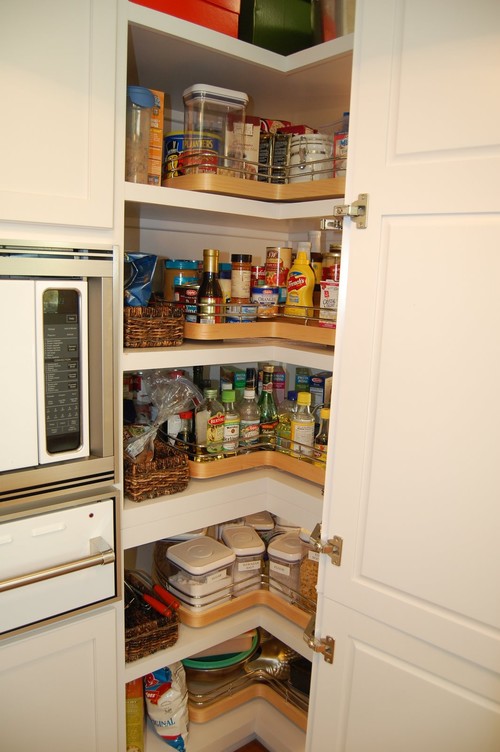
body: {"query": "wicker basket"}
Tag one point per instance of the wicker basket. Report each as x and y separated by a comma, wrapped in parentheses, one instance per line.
(147, 632)
(167, 473)
(156, 325)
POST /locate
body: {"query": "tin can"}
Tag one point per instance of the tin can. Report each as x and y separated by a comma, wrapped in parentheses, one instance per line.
(173, 146)
(187, 296)
(200, 153)
(258, 276)
(241, 313)
(267, 299)
(278, 263)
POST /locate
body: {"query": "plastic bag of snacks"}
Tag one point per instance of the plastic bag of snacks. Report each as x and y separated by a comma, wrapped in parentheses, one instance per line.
(166, 704)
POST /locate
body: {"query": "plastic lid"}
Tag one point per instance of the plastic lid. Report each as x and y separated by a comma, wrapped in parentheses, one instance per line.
(140, 96)
(260, 521)
(200, 555)
(292, 395)
(304, 398)
(210, 393)
(249, 393)
(287, 546)
(215, 94)
(301, 258)
(244, 258)
(182, 264)
(186, 415)
(243, 540)
(324, 413)
(188, 536)
(224, 266)
(228, 395)
(185, 280)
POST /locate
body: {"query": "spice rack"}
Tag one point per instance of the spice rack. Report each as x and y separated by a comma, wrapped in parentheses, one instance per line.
(294, 466)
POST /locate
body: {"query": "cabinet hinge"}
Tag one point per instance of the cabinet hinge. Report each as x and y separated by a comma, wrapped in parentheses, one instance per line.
(333, 546)
(323, 645)
(357, 211)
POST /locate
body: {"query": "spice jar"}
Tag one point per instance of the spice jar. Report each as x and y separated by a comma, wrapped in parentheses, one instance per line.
(241, 274)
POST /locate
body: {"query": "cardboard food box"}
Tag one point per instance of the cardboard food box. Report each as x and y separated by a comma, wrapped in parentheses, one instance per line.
(156, 139)
(282, 26)
(219, 15)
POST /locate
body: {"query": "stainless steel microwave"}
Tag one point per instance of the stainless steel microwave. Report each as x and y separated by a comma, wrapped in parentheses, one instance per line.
(56, 382)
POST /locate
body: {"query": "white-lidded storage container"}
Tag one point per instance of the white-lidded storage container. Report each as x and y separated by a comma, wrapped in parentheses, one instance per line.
(213, 122)
(249, 549)
(285, 554)
(219, 529)
(202, 571)
(262, 523)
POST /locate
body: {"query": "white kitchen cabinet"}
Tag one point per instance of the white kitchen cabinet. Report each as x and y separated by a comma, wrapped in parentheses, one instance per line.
(412, 482)
(58, 686)
(57, 73)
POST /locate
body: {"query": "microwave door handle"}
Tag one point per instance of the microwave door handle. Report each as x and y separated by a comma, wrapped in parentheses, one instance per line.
(101, 553)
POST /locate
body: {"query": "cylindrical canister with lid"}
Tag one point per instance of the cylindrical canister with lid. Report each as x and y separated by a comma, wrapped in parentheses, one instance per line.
(241, 276)
(249, 549)
(140, 103)
(285, 554)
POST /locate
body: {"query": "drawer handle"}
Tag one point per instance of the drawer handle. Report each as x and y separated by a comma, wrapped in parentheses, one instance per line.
(101, 553)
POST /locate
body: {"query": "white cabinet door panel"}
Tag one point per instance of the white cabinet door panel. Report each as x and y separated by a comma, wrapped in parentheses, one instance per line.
(59, 688)
(414, 481)
(57, 75)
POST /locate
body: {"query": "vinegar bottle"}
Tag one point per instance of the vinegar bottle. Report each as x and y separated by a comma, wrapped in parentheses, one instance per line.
(250, 418)
(302, 427)
(210, 299)
(300, 288)
(284, 427)
(232, 420)
(321, 438)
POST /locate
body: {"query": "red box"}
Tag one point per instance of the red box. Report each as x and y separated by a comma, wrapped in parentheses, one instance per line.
(219, 15)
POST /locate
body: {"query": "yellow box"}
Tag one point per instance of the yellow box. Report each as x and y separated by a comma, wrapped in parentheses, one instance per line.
(156, 139)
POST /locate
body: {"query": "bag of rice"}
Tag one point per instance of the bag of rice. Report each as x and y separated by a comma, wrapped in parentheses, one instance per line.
(166, 704)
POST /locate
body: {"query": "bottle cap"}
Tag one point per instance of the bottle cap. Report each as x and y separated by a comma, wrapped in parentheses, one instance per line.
(228, 395)
(304, 398)
(324, 413)
(210, 393)
(292, 395)
(249, 394)
(242, 258)
(186, 415)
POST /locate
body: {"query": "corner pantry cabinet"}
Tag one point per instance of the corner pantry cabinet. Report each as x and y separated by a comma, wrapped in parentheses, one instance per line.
(412, 480)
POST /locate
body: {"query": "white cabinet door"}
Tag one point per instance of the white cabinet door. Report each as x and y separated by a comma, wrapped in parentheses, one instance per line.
(58, 687)
(415, 484)
(57, 78)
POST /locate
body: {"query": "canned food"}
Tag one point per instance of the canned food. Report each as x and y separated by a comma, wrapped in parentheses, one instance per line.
(173, 146)
(242, 313)
(200, 153)
(278, 263)
(267, 299)
(258, 276)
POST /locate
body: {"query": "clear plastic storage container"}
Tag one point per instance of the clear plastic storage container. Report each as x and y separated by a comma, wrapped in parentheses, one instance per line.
(202, 571)
(140, 103)
(262, 523)
(249, 550)
(285, 554)
(213, 128)
(309, 567)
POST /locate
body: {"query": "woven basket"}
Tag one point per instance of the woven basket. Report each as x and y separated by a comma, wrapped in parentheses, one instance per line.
(147, 632)
(167, 473)
(157, 325)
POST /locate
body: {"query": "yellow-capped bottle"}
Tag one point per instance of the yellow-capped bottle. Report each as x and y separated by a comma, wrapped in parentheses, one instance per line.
(300, 287)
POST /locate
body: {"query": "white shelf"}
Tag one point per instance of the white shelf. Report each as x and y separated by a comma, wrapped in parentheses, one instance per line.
(213, 500)
(236, 351)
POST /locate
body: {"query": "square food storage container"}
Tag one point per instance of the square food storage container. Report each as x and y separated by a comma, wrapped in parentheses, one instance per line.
(285, 554)
(213, 130)
(202, 571)
(249, 550)
(262, 523)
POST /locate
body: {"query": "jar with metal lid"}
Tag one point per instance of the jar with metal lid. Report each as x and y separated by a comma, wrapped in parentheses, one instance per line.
(241, 275)
(177, 271)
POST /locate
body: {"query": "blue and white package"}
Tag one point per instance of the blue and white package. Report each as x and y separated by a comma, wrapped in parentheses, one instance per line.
(166, 696)
(139, 270)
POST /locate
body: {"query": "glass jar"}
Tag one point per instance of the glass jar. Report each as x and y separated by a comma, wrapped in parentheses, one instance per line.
(140, 103)
(241, 277)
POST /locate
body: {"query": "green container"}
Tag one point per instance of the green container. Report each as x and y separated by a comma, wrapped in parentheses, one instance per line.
(282, 26)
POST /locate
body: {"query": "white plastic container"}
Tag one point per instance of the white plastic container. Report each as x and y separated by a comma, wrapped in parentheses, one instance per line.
(213, 121)
(202, 571)
(285, 554)
(262, 523)
(249, 550)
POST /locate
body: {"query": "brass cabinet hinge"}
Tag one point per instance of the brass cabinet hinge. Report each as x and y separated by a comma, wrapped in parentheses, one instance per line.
(333, 546)
(357, 211)
(323, 645)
